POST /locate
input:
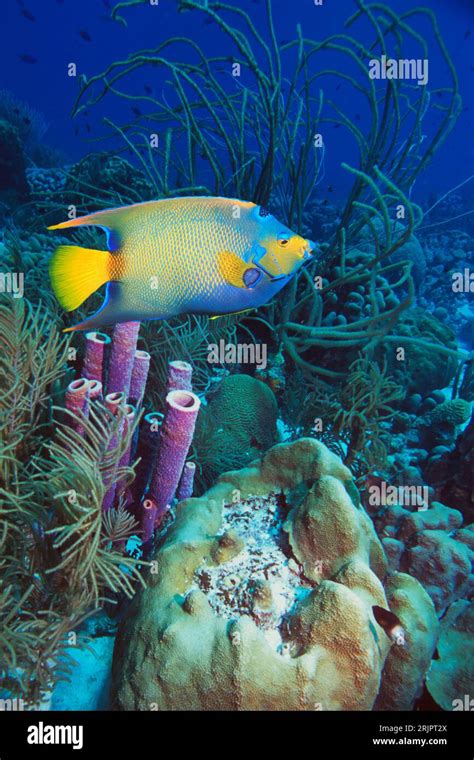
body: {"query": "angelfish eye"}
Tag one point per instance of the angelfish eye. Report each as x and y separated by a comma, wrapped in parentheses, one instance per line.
(283, 240)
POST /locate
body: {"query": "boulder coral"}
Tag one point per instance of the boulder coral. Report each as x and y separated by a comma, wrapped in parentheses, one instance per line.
(261, 594)
(451, 675)
(401, 681)
(432, 546)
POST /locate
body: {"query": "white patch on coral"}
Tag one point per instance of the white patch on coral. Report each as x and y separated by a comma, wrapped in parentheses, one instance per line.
(230, 586)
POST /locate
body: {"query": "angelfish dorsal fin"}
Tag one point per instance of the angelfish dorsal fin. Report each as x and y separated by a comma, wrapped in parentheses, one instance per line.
(114, 221)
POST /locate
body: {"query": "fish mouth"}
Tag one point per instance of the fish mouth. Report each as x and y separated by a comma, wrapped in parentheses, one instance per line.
(309, 249)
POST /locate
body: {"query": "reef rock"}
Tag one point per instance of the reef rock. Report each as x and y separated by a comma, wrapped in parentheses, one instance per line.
(13, 184)
(261, 596)
(451, 676)
(430, 545)
(408, 660)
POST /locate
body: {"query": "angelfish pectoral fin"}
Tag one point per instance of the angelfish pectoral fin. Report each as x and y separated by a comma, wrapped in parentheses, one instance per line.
(236, 272)
(231, 313)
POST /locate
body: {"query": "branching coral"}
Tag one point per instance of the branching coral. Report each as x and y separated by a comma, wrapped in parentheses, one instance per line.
(348, 416)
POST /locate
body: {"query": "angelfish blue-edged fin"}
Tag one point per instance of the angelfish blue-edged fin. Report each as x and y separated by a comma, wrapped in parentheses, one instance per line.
(109, 313)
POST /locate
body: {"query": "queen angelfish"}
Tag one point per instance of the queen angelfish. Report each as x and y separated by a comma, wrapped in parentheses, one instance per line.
(197, 255)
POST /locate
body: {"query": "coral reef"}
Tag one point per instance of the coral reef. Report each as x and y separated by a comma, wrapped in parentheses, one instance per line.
(59, 554)
(449, 679)
(432, 546)
(237, 425)
(103, 180)
(14, 186)
(261, 594)
(406, 666)
(423, 369)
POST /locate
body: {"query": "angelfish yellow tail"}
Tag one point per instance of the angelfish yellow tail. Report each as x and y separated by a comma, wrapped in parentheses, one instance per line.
(77, 272)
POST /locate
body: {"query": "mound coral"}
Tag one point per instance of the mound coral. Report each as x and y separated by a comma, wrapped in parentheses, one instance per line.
(261, 597)
(450, 677)
(401, 674)
(432, 546)
(237, 425)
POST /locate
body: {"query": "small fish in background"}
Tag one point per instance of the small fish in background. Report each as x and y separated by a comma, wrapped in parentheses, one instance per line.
(136, 111)
(27, 58)
(84, 34)
(467, 34)
(390, 623)
(88, 127)
(357, 117)
(178, 256)
(27, 14)
(330, 189)
(336, 126)
(148, 89)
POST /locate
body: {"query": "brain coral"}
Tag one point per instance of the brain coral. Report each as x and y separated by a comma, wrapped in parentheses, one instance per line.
(261, 597)
(424, 369)
(237, 425)
(454, 412)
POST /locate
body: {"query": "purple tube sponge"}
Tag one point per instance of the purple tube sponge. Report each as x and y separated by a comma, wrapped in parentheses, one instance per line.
(179, 376)
(130, 412)
(122, 356)
(182, 408)
(94, 355)
(77, 401)
(95, 390)
(146, 519)
(141, 365)
(147, 452)
(112, 401)
(186, 483)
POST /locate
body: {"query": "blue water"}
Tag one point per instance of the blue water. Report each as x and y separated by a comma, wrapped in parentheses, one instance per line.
(54, 39)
